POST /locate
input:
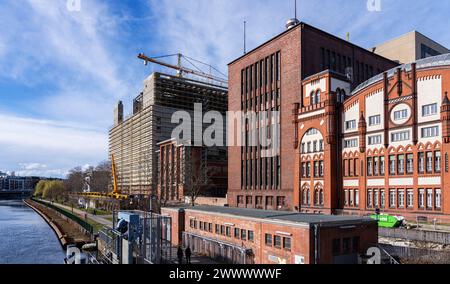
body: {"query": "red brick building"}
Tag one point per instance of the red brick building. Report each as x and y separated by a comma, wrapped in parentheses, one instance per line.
(180, 165)
(385, 146)
(269, 78)
(250, 236)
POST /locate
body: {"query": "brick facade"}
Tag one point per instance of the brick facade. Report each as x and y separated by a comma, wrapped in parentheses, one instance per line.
(292, 56)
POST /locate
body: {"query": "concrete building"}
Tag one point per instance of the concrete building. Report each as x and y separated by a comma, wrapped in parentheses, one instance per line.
(410, 47)
(269, 78)
(181, 166)
(133, 140)
(386, 146)
(17, 184)
(250, 236)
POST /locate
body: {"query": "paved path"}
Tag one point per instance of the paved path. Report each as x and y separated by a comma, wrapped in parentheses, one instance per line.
(96, 218)
(195, 259)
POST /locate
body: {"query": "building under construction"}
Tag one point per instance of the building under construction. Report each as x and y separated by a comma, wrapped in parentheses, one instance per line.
(134, 140)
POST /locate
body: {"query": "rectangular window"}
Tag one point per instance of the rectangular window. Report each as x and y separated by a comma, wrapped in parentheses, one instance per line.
(350, 125)
(369, 199)
(382, 165)
(410, 198)
(430, 132)
(421, 163)
(401, 199)
(401, 164)
(336, 246)
(438, 197)
(217, 229)
(351, 143)
(410, 163)
(375, 120)
(401, 114)
(376, 166)
(392, 161)
(357, 198)
(376, 198)
(346, 245)
(277, 242)
(369, 166)
(269, 241)
(392, 198)
(437, 161)
(429, 110)
(429, 198)
(400, 136)
(243, 235)
(375, 140)
(382, 199)
(429, 162)
(237, 233)
(251, 236)
(422, 198)
(228, 231)
(287, 243)
(321, 168)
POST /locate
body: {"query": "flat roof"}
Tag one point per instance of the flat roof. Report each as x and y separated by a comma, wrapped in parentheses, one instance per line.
(305, 25)
(281, 216)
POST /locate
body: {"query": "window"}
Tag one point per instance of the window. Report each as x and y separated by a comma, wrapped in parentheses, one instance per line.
(410, 198)
(350, 125)
(401, 199)
(401, 164)
(317, 97)
(429, 162)
(237, 233)
(392, 165)
(217, 229)
(376, 166)
(410, 163)
(321, 146)
(287, 243)
(382, 199)
(369, 198)
(401, 114)
(346, 245)
(375, 140)
(438, 196)
(243, 235)
(316, 169)
(392, 198)
(429, 198)
(369, 166)
(382, 164)
(422, 198)
(429, 132)
(429, 110)
(251, 236)
(376, 198)
(357, 198)
(228, 231)
(277, 242)
(269, 241)
(303, 148)
(356, 242)
(421, 163)
(437, 161)
(374, 120)
(321, 168)
(400, 136)
(312, 131)
(222, 230)
(336, 246)
(352, 143)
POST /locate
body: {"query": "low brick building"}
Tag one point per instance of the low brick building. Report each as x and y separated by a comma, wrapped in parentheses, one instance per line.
(250, 236)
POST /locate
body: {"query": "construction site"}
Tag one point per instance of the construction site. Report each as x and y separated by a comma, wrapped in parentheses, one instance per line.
(134, 139)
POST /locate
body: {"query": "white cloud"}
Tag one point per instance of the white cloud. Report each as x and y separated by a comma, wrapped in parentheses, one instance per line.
(47, 147)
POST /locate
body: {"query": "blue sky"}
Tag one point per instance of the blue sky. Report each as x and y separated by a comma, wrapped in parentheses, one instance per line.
(61, 71)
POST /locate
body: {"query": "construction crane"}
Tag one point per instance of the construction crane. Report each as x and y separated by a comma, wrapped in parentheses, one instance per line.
(115, 194)
(180, 69)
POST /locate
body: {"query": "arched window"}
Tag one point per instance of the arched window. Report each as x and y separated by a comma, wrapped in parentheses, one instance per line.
(306, 200)
(321, 197)
(317, 97)
(312, 98)
(316, 197)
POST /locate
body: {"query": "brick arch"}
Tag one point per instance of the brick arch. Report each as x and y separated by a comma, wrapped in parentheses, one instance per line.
(370, 152)
(429, 146)
(400, 149)
(306, 129)
(420, 146)
(437, 145)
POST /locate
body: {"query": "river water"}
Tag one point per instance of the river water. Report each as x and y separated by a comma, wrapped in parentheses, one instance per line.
(25, 238)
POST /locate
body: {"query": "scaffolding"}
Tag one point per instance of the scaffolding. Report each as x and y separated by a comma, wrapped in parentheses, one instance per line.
(133, 140)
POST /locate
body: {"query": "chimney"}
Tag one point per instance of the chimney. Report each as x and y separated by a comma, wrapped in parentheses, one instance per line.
(118, 114)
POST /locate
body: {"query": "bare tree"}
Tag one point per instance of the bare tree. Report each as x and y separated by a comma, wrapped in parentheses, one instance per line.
(75, 180)
(101, 177)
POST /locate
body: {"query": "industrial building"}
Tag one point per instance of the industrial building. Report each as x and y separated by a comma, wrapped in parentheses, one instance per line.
(384, 147)
(133, 140)
(410, 47)
(250, 236)
(186, 172)
(269, 78)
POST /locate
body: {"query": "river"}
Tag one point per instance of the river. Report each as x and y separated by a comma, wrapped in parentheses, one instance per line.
(25, 238)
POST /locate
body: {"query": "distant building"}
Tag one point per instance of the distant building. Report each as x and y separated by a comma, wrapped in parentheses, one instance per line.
(133, 140)
(14, 183)
(410, 47)
(250, 236)
(179, 165)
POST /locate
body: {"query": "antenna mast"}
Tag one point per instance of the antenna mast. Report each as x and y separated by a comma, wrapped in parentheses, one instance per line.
(245, 37)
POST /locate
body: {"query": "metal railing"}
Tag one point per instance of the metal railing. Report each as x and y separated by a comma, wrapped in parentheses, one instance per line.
(85, 225)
